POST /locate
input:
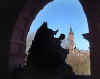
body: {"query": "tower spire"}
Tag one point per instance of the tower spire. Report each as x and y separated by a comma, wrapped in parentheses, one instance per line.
(70, 28)
(71, 40)
(71, 32)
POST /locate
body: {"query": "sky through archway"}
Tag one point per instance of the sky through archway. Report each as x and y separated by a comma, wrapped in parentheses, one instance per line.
(60, 14)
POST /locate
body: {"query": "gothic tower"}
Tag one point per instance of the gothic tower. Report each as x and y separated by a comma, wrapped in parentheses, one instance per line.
(71, 41)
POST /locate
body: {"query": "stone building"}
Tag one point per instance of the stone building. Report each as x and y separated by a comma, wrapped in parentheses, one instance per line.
(71, 45)
(78, 59)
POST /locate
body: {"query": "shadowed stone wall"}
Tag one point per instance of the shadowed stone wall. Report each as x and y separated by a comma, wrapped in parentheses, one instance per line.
(92, 10)
(15, 19)
(20, 30)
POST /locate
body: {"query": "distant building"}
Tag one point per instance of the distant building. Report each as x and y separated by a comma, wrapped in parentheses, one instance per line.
(72, 48)
(78, 59)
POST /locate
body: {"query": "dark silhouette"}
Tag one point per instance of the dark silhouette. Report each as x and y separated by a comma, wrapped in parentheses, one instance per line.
(46, 57)
(46, 48)
(46, 53)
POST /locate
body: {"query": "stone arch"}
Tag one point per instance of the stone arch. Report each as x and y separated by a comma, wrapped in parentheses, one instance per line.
(19, 18)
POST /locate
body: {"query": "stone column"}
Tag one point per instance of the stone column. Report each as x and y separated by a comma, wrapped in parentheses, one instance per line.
(92, 11)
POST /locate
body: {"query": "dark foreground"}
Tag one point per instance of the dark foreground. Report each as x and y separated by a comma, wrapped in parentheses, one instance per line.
(83, 77)
(31, 76)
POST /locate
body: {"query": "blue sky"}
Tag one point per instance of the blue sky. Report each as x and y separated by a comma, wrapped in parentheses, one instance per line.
(60, 14)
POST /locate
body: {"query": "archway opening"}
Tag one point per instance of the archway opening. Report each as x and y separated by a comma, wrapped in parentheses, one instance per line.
(62, 15)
